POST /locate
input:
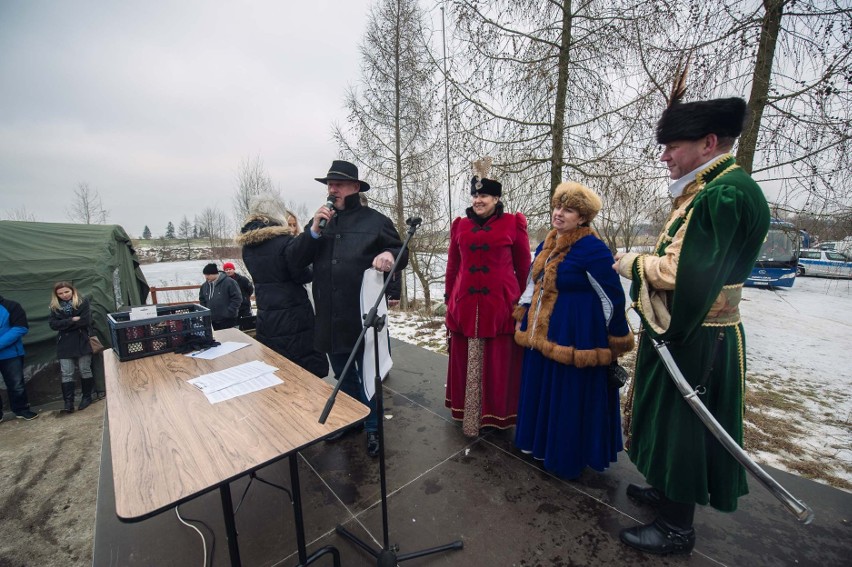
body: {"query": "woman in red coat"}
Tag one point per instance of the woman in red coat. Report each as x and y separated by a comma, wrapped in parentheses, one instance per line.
(487, 267)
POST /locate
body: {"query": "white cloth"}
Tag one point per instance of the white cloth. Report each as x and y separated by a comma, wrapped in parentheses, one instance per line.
(371, 286)
(676, 188)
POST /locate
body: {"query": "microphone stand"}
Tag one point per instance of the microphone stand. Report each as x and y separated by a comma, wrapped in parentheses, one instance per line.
(387, 556)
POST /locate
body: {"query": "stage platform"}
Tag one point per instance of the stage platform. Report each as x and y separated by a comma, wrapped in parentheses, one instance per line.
(443, 486)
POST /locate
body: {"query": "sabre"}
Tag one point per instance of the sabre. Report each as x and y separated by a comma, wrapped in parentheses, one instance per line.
(798, 508)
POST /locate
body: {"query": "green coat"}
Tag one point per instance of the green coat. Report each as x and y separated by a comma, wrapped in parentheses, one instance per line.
(718, 232)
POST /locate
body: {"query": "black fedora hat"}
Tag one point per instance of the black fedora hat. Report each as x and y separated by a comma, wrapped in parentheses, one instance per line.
(343, 171)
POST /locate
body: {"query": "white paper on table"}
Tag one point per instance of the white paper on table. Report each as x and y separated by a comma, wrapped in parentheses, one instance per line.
(247, 387)
(217, 351)
(221, 379)
(371, 286)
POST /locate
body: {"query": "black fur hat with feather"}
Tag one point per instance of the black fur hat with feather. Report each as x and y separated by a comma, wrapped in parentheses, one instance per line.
(694, 120)
(480, 183)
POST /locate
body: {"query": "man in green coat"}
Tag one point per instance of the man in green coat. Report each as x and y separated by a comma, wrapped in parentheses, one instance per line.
(687, 294)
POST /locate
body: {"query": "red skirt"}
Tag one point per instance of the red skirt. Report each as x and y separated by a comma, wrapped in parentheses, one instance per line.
(501, 363)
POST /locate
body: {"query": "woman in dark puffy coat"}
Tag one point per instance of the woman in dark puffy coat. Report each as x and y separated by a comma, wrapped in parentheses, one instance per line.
(285, 317)
(71, 316)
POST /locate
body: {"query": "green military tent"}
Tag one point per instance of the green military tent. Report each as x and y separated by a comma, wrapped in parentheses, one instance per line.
(98, 259)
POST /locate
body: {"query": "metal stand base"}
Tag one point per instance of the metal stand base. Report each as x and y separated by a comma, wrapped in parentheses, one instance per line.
(388, 557)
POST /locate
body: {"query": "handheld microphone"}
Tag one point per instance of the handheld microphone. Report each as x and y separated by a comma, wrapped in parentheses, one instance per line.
(329, 204)
(413, 221)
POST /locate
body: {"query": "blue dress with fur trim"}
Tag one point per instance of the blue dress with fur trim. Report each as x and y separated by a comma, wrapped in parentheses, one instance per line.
(575, 325)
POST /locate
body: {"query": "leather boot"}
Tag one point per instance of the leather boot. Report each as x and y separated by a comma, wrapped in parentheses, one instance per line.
(68, 397)
(670, 533)
(86, 399)
(660, 538)
(647, 495)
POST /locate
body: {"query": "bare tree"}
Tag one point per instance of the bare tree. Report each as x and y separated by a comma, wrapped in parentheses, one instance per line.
(252, 179)
(86, 206)
(551, 86)
(215, 225)
(792, 60)
(800, 123)
(20, 214)
(394, 125)
(184, 232)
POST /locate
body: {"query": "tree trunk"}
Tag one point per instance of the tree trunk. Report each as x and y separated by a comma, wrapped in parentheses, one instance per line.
(556, 157)
(400, 213)
(769, 29)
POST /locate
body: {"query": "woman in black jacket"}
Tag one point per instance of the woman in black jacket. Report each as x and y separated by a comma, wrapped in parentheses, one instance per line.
(71, 316)
(285, 317)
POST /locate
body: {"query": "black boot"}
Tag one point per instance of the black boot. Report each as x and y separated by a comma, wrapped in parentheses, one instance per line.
(86, 399)
(660, 538)
(68, 397)
(647, 495)
(670, 533)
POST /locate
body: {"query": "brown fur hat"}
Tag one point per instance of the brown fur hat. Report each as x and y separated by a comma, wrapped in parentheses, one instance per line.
(578, 197)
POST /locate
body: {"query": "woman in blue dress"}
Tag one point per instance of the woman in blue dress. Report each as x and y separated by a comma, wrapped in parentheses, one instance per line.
(572, 324)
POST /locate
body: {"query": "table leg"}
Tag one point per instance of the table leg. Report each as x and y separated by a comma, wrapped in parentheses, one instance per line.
(297, 509)
(230, 524)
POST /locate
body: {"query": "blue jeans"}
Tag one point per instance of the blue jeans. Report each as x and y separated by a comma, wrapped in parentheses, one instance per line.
(12, 370)
(354, 386)
(67, 367)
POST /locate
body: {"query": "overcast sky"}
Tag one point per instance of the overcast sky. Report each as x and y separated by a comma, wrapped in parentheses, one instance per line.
(154, 104)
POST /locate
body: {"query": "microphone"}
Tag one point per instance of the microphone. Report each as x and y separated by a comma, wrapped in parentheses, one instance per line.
(329, 204)
(413, 221)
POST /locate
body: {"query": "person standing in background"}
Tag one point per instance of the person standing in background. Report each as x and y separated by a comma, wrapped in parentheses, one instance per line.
(246, 288)
(13, 327)
(285, 317)
(71, 316)
(221, 295)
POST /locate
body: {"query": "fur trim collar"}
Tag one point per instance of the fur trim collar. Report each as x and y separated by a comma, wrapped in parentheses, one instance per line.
(544, 272)
(259, 228)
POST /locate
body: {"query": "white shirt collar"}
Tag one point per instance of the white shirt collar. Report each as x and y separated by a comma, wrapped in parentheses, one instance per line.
(676, 188)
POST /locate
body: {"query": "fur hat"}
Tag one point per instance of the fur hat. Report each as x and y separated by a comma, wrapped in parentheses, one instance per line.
(269, 206)
(578, 197)
(694, 120)
(210, 269)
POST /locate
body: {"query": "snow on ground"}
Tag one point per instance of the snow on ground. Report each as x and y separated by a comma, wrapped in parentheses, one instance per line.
(799, 357)
(799, 349)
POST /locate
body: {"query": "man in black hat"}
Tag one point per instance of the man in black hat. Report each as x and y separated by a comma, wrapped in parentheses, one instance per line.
(343, 240)
(687, 293)
(222, 296)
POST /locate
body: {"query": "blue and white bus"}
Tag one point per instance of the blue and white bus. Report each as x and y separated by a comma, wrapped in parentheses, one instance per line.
(779, 256)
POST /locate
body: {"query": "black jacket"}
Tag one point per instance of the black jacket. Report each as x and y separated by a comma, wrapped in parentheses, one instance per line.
(346, 248)
(285, 318)
(73, 338)
(246, 289)
(222, 297)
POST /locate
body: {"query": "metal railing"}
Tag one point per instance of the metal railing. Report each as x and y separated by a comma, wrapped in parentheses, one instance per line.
(163, 289)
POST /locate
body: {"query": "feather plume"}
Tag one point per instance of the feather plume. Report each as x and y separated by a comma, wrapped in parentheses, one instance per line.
(679, 86)
(482, 167)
